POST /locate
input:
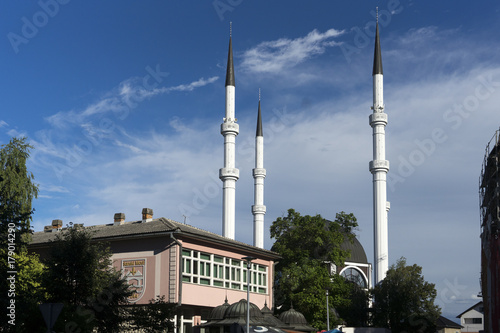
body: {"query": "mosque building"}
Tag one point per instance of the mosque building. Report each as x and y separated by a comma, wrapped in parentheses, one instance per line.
(197, 269)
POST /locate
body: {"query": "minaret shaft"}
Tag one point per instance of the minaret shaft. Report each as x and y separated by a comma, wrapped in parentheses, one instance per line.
(229, 174)
(379, 167)
(259, 173)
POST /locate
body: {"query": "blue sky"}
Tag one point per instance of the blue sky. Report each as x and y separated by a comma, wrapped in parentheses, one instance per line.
(123, 102)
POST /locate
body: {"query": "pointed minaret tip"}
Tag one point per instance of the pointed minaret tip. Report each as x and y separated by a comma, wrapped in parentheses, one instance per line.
(377, 58)
(259, 121)
(230, 65)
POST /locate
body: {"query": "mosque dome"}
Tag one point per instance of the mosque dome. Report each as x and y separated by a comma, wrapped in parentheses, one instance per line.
(358, 254)
(239, 310)
(296, 319)
(219, 311)
(293, 317)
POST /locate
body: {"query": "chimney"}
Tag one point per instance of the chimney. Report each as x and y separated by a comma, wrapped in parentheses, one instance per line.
(47, 228)
(78, 226)
(56, 225)
(147, 215)
(119, 218)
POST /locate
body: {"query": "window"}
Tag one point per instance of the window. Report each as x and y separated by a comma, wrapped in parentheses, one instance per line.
(473, 320)
(218, 271)
(354, 275)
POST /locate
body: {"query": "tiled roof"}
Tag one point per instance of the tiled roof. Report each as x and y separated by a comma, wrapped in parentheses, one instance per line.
(158, 226)
(443, 322)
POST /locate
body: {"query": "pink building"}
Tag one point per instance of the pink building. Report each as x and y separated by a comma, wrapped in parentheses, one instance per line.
(194, 268)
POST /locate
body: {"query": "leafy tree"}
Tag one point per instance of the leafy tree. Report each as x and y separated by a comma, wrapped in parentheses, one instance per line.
(157, 316)
(28, 292)
(307, 244)
(80, 275)
(17, 190)
(404, 301)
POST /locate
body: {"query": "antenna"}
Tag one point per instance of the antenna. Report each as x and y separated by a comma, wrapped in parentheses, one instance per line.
(231, 26)
(377, 14)
(259, 94)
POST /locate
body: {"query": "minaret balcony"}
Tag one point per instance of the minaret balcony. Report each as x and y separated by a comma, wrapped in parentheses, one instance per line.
(229, 128)
(256, 209)
(378, 118)
(229, 173)
(379, 165)
(259, 172)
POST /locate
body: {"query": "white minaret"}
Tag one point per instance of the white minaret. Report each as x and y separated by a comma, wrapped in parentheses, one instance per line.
(229, 174)
(259, 173)
(379, 168)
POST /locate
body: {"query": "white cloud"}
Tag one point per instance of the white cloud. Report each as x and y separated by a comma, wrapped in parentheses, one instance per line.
(3, 123)
(274, 56)
(121, 101)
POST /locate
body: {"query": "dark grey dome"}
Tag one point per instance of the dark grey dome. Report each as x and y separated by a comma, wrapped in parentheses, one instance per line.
(239, 310)
(358, 254)
(293, 317)
(219, 311)
(297, 320)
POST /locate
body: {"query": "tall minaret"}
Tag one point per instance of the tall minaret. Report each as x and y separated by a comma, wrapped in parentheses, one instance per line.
(229, 174)
(379, 167)
(259, 173)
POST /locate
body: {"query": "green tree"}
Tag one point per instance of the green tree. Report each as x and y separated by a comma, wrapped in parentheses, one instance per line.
(27, 289)
(307, 244)
(157, 316)
(17, 190)
(404, 301)
(81, 276)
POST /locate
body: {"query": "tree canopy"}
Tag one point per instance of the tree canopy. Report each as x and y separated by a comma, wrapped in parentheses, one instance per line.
(307, 245)
(404, 301)
(17, 189)
(81, 276)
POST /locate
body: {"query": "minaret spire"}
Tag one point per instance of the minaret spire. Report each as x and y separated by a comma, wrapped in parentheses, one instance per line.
(379, 167)
(377, 57)
(259, 173)
(229, 174)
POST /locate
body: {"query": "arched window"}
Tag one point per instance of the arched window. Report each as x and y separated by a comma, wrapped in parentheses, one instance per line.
(354, 275)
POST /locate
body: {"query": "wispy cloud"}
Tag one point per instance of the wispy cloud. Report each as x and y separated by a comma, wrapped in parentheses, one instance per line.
(3, 123)
(274, 56)
(122, 99)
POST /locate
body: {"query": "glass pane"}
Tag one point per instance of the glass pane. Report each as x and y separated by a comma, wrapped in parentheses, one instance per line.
(218, 283)
(186, 253)
(188, 266)
(204, 256)
(195, 267)
(262, 268)
(202, 269)
(205, 281)
(218, 259)
(235, 262)
(207, 270)
(186, 279)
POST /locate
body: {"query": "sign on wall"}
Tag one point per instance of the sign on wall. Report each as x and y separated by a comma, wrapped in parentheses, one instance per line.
(134, 271)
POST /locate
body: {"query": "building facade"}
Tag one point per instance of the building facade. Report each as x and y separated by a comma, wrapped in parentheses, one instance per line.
(193, 268)
(472, 319)
(489, 198)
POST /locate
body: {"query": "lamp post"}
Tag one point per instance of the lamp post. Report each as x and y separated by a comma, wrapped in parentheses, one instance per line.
(327, 313)
(248, 259)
